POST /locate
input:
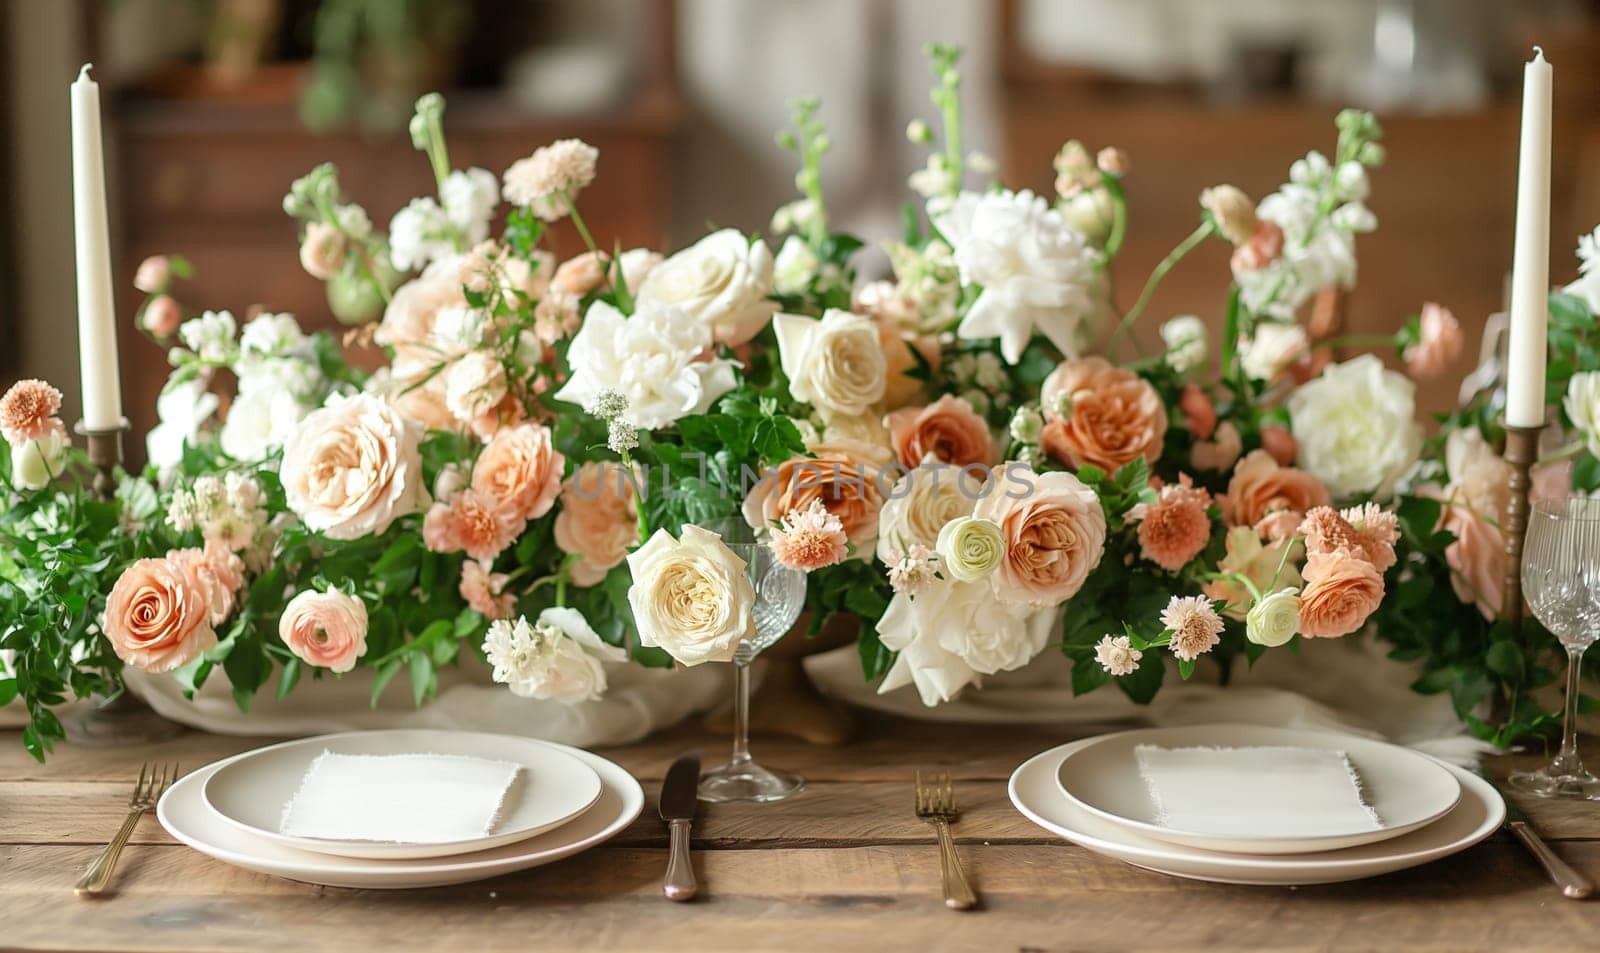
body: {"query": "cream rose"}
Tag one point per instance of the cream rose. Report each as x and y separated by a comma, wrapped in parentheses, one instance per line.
(835, 364)
(352, 468)
(971, 548)
(722, 281)
(158, 616)
(1356, 427)
(325, 629)
(691, 596)
(1274, 619)
(920, 504)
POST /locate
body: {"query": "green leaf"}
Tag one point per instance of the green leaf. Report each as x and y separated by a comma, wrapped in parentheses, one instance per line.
(1586, 473)
(876, 658)
(1145, 681)
(1087, 675)
(8, 690)
(381, 677)
(421, 677)
(1505, 659)
(289, 678)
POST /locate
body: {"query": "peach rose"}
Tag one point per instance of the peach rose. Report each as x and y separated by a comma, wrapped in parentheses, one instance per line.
(1114, 416)
(352, 468)
(1341, 591)
(1260, 486)
(1438, 344)
(1199, 414)
(1280, 443)
(1054, 530)
(1477, 558)
(948, 430)
(901, 353)
(1270, 567)
(581, 274)
(158, 616)
(325, 629)
(598, 519)
(473, 522)
(839, 473)
(522, 469)
(485, 591)
(1175, 528)
(219, 573)
(1219, 453)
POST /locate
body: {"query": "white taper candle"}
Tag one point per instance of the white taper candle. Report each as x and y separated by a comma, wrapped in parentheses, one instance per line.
(97, 322)
(1530, 267)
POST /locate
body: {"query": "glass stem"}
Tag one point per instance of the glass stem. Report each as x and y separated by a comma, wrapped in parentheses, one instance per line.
(1568, 762)
(741, 714)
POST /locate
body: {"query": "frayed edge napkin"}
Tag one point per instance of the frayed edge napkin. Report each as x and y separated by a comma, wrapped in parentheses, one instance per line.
(402, 798)
(1264, 791)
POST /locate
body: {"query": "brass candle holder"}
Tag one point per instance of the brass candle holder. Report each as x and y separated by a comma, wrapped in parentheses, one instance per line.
(123, 718)
(1522, 451)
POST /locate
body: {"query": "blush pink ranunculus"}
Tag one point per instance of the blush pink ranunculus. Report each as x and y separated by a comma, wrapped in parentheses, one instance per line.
(1054, 531)
(158, 616)
(598, 520)
(521, 468)
(485, 591)
(1175, 528)
(947, 430)
(1342, 590)
(1438, 344)
(473, 522)
(325, 629)
(1112, 416)
(1261, 486)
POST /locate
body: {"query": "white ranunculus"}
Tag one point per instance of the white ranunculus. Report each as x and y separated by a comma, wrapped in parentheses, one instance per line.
(260, 420)
(795, 266)
(36, 462)
(835, 364)
(352, 468)
(558, 658)
(1034, 269)
(1273, 349)
(722, 281)
(952, 632)
(1274, 619)
(919, 506)
(652, 359)
(1582, 405)
(971, 548)
(1356, 427)
(182, 410)
(1186, 340)
(691, 596)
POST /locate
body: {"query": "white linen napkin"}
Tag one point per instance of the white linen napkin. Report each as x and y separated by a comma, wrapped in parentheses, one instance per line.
(402, 798)
(1257, 791)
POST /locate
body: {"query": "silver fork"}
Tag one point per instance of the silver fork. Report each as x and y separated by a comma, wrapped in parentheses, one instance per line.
(936, 804)
(146, 791)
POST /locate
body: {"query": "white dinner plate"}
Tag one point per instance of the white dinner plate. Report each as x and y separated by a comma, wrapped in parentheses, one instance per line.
(183, 812)
(553, 787)
(1405, 788)
(1037, 795)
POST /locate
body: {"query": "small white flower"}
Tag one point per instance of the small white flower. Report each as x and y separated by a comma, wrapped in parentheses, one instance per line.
(982, 163)
(420, 233)
(1026, 425)
(794, 267)
(211, 336)
(260, 420)
(1117, 655)
(459, 329)
(934, 179)
(469, 201)
(988, 373)
(916, 568)
(36, 462)
(353, 219)
(558, 658)
(474, 385)
(1186, 340)
(918, 132)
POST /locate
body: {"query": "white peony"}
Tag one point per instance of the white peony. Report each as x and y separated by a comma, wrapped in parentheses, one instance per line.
(1186, 339)
(558, 658)
(951, 632)
(260, 420)
(835, 364)
(722, 281)
(795, 266)
(36, 462)
(691, 596)
(917, 508)
(652, 359)
(1034, 269)
(1273, 348)
(182, 410)
(1356, 427)
(1274, 619)
(1582, 405)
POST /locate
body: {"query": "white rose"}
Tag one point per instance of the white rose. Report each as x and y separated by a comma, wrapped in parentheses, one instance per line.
(558, 658)
(260, 420)
(652, 359)
(722, 281)
(971, 548)
(474, 385)
(835, 364)
(1185, 337)
(1035, 270)
(1274, 619)
(352, 468)
(920, 505)
(691, 596)
(1356, 427)
(1582, 405)
(795, 266)
(1274, 347)
(36, 462)
(952, 632)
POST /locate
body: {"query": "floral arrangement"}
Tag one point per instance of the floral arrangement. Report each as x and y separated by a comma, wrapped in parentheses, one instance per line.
(962, 455)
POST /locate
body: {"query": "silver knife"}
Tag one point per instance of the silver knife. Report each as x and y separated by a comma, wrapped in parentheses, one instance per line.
(1573, 884)
(678, 798)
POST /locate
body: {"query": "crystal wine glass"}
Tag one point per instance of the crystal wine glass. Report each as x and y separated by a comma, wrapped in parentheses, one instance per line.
(780, 593)
(1561, 578)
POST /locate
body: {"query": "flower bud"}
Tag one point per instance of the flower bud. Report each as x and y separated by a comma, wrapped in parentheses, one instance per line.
(1232, 210)
(1026, 425)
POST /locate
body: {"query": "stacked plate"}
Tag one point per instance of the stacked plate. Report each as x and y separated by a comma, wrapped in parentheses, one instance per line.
(1093, 793)
(564, 800)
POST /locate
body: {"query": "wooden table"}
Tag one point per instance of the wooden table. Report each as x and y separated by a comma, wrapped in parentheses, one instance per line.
(844, 866)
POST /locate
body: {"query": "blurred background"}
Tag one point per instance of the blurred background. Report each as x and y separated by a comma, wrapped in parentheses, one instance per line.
(213, 107)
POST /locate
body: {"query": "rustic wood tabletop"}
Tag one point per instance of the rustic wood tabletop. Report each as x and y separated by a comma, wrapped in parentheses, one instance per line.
(844, 866)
